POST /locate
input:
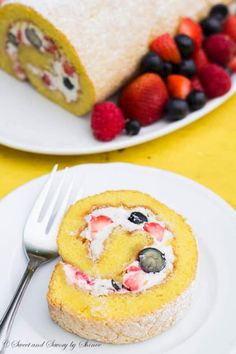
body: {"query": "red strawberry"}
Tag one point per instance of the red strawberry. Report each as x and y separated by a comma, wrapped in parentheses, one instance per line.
(230, 27)
(133, 281)
(200, 58)
(178, 86)
(193, 30)
(107, 121)
(232, 65)
(166, 47)
(215, 80)
(219, 49)
(155, 230)
(196, 84)
(68, 68)
(82, 276)
(133, 268)
(51, 47)
(144, 99)
(46, 80)
(97, 223)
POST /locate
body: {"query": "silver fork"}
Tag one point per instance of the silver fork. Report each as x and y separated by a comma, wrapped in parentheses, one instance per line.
(39, 241)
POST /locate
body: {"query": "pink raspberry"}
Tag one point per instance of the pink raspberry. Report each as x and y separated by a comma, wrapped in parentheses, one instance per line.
(107, 121)
(220, 49)
(215, 80)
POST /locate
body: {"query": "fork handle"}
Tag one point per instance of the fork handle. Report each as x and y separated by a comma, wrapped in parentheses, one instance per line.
(8, 318)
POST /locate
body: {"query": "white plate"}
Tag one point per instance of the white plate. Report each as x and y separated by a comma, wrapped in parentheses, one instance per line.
(208, 328)
(32, 123)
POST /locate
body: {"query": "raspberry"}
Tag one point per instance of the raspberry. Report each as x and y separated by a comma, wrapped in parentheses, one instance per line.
(107, 121)
(215, 80)
(219, 49)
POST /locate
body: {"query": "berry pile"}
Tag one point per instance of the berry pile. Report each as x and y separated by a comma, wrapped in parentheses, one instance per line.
(177, 76)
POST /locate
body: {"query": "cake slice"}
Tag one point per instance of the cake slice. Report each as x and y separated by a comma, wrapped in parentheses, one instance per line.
(79, 52)
(128, 268)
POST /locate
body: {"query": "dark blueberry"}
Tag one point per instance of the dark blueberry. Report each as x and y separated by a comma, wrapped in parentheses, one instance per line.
(167, 69)
(176, 109)
(115, 285)
(151, 260)
(187, 68)
(12, 39)
(68, 84)
(219, 11)
(33, 38)
(185, 45)
(132, 127)
(151, 63)
(211, 25)
(196, 100)
(137, 218)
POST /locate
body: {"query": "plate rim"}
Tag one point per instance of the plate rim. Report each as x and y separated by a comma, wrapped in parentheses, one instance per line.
(103, 147)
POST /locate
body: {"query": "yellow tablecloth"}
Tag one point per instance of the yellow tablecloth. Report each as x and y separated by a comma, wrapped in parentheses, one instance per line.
(204, 151)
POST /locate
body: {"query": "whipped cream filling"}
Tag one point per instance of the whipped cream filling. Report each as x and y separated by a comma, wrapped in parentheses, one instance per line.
(61, 76)
(100, 225)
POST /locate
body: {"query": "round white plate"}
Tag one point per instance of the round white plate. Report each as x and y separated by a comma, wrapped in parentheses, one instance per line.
(30, 122)
(208, 328)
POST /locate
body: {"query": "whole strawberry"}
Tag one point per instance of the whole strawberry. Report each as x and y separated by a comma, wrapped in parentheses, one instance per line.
(107, 121)
(215, 80)
(220, 49)
(144, 99)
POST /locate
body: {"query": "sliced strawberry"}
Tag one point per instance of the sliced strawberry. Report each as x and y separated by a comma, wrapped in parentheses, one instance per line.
(155, 230)
(166, 47)
(82, 276)
(193, 30)
(133, 268)
(200, 58)
(46, 80)
(178, 86)
(144, 99)
(133, 281)
(196, 84)
(230, 27)
(51, 46)
(97, 223)
(68, 68)
(232, 65)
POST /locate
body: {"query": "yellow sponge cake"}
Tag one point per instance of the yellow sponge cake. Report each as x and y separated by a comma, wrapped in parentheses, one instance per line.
(127, 270)
(79, 52)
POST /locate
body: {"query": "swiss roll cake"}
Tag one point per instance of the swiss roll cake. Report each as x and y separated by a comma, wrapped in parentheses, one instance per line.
(79, 52)
(127, 270)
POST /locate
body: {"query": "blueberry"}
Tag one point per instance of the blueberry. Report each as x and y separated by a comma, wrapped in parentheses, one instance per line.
(137, 218)
(151, 62)
(187, 68)
(33, 38)
(196, 100)
(176, 109)
(115, 285)
(211, 25)
(185, 45)
(12, 39)
(219, 11)
(68, 84)
(151, 260)
(168, 68)
(132, 127)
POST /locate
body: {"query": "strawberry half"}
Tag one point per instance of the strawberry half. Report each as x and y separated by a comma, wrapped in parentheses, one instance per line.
(193, 30)
(232, 65)
(200, 58)
(155, 230)
(144, 99)
(178, 86)
(230, 27)
(97, 223)
(166, 47)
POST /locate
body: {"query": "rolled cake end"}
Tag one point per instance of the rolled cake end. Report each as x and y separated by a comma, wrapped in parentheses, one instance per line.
(32, 49)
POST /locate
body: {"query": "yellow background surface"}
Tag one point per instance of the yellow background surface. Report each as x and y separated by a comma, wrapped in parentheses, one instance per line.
(205, 151)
